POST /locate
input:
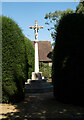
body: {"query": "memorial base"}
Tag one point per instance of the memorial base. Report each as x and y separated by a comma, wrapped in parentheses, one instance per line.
(38, 86)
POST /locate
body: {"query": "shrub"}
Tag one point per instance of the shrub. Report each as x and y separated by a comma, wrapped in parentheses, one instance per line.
(68, 59)
(45, 69)
(14, 67)
(30, 52)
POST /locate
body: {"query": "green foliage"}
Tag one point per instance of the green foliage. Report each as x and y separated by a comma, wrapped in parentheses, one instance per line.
(53, 20)
(30, 52)
(80, 8)
(0, 47)
(68, 59)
(14, 67)
(0, 59)
(45, 69)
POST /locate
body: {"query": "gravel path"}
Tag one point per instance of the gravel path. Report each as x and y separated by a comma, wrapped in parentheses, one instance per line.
(41, 106)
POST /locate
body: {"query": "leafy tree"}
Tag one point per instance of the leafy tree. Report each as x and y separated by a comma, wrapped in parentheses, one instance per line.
(14, 67)
(45, 69)
(53, 20)
(80, 8)
(30, 52)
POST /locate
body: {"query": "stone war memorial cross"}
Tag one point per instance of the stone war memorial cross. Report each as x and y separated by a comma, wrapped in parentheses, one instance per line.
(37, 84)
(36, 75)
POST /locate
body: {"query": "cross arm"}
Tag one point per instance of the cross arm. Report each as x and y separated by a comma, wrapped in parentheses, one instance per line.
(39, 27)
(31, 27)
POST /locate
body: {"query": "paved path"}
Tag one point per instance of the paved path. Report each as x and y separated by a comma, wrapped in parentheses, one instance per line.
(42, 106)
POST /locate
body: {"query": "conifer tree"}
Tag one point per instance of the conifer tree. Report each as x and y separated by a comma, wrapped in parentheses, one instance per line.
(14, 67)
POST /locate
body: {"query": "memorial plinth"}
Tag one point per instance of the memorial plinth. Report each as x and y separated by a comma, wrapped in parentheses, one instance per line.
(36, 83)
(36, 76)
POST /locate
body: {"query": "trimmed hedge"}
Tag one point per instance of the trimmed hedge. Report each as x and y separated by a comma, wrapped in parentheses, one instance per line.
(30, 53)
(68, 60)
(0, 59)
(14, 65)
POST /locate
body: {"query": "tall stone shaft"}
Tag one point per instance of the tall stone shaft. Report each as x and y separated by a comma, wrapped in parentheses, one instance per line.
(36, 58)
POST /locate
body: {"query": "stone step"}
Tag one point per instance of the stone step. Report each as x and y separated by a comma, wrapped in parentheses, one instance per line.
(38, 86)
(43, 90)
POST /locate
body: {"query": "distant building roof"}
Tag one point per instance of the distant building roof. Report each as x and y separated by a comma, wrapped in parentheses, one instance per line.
(44, 50)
